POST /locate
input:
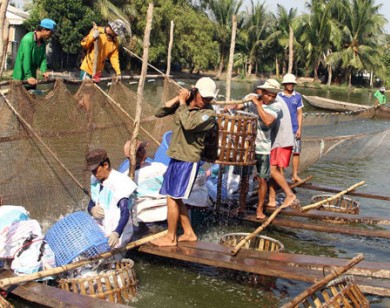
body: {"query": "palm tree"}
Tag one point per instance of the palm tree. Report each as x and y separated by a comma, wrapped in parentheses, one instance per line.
(283, 27)
(362, 28)
(254, 33)
(221, 12)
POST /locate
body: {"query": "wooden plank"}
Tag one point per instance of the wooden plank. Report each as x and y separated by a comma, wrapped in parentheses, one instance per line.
(336, 190)
(333, 216)
(320, 227)
(282, 265)
(42, 294)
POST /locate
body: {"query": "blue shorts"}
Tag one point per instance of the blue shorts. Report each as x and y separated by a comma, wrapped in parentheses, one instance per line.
(179, 179)
(297, 147)
(263, 166)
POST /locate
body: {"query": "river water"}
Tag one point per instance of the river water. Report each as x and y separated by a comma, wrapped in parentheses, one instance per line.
(167, 283)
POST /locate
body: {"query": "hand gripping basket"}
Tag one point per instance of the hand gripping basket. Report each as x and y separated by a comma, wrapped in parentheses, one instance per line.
(259, 242)
(74, 235)
(117, 284)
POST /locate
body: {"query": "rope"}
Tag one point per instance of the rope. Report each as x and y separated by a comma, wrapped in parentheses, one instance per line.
(44, 144)
(125, 113)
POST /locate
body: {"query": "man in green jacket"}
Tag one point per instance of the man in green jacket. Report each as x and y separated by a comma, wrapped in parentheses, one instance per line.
(32, 53)
(380, 97)
(193, 118)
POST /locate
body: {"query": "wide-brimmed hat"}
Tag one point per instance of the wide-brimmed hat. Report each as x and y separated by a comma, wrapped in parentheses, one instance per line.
(94, 158)
(289, 78)
(206, 87)
(382, 89)
(118, 26)
(271, 85)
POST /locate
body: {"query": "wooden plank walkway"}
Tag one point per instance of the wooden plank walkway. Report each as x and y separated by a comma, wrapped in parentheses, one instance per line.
(372, 277)
(322, 227)
(47, 296)
(333, 216)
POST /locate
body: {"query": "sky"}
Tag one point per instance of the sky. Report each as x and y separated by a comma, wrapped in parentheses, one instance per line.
(300, 5)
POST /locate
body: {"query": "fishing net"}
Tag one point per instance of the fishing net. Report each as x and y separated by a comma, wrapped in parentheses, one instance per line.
(327, 118)
(44, 140)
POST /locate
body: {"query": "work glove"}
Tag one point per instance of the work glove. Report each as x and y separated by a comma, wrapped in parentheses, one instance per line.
(113, 239)
(97, 212)
(95, 34)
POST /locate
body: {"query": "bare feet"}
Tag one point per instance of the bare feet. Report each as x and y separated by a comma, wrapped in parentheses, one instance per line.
(271, 205)
(296, 179)
(289, 200)
(164, 241)
(188, 238)
(260, 216)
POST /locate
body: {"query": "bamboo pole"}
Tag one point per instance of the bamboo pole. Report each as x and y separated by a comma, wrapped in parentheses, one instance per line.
(231, 56)
(237, 248)
(140, 91)
(297, 184)
(170, 48)
(319, 203)
(95, 52)
(337, 272)
(44, 145)
(61, 269)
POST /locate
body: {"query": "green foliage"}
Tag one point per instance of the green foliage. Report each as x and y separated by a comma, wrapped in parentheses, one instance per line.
(73, 17)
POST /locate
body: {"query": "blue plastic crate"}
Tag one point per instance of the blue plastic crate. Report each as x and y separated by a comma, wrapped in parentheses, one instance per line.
(161, 153)
(76, 234)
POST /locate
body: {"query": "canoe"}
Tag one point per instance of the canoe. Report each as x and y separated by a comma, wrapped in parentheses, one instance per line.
(331, 104)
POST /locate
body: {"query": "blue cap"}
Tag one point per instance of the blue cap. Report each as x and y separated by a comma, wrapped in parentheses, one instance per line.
(49, 24)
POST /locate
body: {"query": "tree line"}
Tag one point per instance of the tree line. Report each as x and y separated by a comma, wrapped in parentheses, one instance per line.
(332, 41)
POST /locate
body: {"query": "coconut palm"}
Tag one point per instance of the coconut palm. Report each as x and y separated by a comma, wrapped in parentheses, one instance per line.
(221, 12)
(362, 29)
(320, 32)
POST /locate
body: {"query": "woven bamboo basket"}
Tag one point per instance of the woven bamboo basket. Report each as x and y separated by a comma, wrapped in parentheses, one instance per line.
(117, 286)
(259, 242)
(341, 205)
(236, 140)
(340, 292)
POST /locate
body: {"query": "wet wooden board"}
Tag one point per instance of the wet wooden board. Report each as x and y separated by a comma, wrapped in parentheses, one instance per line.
(41, 294)
(337, 190)
(333, 216)
(282, 265)
(323, 227)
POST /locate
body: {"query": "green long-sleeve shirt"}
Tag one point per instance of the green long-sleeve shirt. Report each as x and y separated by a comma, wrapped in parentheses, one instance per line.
(191, 127)
(380, 97)
(30, 57)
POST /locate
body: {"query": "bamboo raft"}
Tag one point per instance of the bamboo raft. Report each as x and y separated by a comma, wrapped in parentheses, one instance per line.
(371, 277)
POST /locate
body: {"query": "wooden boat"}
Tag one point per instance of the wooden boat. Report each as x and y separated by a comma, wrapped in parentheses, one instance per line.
(331, 104)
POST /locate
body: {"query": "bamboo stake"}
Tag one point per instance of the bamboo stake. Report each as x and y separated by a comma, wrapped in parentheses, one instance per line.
(337, 272)
(140, 90)
(45, 145)
(170, 49)
(231, 56)
(237, 248)
(95, 52)
(61, 269)
(125, 113)
(319, 203)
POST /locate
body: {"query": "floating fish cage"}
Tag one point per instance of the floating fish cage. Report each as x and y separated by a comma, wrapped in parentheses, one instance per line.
(234, 141)
(259, 242)
(117, 285)
(340, 292)
(341, 204)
